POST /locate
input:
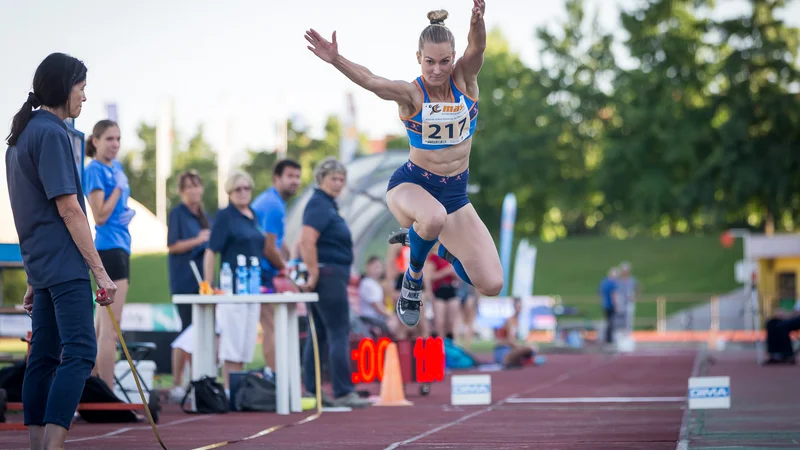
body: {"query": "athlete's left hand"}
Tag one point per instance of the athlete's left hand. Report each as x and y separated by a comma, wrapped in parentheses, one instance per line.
(479, 7)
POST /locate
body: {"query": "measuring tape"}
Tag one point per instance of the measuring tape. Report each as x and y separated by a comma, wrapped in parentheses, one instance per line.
(101, 295)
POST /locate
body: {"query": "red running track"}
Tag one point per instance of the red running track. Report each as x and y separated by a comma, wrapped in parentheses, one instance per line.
(431, 423)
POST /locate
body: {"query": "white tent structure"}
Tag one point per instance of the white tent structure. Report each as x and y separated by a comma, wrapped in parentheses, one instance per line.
(148, 235)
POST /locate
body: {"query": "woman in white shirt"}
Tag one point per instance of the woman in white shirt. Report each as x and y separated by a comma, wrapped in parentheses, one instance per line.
(370, 292)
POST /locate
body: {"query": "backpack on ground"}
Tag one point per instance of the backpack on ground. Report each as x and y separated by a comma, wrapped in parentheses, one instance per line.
(11, 381)
(256, 394)
(97, 391)
(209, 397)
(458, 358)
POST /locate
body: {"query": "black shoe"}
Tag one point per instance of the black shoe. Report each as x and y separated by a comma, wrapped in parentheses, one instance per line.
(410, 302)
(400, 237)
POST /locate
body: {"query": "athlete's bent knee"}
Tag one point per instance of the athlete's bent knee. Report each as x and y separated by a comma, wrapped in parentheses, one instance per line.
(491, 287)
(431, 223)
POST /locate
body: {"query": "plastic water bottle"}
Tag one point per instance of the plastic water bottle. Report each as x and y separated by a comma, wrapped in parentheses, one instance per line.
(226, 278)
(241, 275)
(255, 275)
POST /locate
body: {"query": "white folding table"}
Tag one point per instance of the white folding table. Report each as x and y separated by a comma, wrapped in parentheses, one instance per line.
(287, 339)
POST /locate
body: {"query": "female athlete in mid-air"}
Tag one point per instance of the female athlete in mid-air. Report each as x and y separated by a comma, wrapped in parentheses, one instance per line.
(428, 194)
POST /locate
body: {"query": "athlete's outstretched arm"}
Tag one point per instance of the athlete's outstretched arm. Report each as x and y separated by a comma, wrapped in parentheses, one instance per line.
(401, 92)
(472, 60)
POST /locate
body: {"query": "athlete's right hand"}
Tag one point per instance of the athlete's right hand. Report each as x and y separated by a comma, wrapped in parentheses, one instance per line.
(104, 282)
(327, 51)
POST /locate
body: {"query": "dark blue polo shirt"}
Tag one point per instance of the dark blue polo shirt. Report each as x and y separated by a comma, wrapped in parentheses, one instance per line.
(40, 168)
(335, 244)
(235, 234)
(183, 224)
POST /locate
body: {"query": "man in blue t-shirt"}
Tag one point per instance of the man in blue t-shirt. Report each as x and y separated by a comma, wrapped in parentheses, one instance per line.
(608, 294)
(270, 209)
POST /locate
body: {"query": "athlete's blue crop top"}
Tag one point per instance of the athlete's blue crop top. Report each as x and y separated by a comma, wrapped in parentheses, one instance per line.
(414, 124)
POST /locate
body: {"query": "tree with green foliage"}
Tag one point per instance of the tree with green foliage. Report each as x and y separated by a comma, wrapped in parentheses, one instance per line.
(540, 132)
(140, 166)
(705, 130)
(141, 169)
(577, 77)
(509, 150)
(659, 135)
(755, 163)
(301, 147)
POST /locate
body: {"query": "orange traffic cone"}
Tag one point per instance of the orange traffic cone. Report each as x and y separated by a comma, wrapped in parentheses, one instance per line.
(392, 393)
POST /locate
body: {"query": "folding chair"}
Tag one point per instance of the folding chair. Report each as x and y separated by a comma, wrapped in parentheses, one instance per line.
(138, 351)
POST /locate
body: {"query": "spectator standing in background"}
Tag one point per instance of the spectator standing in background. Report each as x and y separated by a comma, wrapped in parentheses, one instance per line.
(327, 250)
(107, 189)
(187, 239)
(270, 210)
(628, 290)
(608, 296)
(441, 284)
(235, 232)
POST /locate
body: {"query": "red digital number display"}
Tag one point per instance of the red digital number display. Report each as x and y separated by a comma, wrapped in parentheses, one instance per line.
(430, 360)
(369, 358)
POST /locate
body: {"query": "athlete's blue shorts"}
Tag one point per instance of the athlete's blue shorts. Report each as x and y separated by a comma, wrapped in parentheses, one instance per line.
(450, 191)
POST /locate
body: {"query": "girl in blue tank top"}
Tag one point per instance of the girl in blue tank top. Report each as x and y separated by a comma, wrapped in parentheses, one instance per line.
(107, 189)
(428, 194)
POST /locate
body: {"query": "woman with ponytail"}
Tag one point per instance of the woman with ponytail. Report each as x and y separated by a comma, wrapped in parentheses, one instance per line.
(56, 245)
(106, 186)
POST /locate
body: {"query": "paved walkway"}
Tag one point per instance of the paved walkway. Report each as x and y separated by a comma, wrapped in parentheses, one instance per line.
(731, 314)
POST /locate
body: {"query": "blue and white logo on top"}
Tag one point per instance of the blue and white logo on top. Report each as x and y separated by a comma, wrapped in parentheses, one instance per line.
(710, 392)
(471, 389)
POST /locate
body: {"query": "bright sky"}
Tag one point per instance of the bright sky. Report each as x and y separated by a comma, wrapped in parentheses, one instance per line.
(245, 60)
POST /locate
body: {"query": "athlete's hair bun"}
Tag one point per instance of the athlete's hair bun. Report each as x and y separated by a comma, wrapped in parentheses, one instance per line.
(437, 17)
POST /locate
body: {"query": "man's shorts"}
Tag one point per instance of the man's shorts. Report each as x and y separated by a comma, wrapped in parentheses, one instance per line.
(450, 191)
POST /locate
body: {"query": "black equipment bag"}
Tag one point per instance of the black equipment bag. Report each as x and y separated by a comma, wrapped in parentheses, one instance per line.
(209, 397)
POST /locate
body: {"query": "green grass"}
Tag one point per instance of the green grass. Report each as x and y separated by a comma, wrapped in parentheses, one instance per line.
(685, 270)
(149, 282)
(684, 264)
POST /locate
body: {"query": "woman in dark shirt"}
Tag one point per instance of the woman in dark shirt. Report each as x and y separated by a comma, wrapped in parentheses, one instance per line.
(49, 214)
(187, 240)
(236, 232)
(326, 247)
